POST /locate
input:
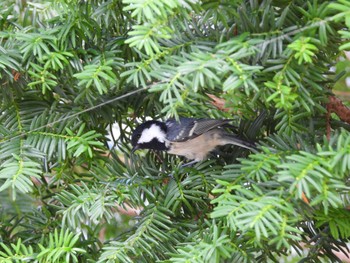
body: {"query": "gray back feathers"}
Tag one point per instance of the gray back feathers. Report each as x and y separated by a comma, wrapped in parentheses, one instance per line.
(188, 128)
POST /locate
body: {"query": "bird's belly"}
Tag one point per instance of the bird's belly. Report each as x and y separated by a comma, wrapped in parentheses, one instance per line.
(195, 149)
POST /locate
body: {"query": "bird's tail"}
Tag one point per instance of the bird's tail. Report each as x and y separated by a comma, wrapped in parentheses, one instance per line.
(234, 140)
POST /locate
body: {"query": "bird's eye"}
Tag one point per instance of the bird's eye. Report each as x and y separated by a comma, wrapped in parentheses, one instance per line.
(138, 136)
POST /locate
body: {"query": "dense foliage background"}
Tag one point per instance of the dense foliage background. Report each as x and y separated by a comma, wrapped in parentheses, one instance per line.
(70, 69)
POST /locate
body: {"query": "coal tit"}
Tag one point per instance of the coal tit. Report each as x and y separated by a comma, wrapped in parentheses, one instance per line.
(189, 137)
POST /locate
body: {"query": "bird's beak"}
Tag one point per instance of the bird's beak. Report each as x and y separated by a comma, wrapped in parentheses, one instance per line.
(135, 148)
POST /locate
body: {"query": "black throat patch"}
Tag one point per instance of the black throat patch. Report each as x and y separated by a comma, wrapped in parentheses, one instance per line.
(154, 144)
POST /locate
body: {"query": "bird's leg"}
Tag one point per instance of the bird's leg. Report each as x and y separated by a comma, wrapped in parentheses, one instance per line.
(189, 164)
(157, 154)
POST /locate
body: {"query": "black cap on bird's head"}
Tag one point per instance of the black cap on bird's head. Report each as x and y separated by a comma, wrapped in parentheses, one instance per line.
(150, 135)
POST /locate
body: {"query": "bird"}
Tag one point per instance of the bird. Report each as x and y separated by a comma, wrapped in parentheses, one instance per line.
(192, 138)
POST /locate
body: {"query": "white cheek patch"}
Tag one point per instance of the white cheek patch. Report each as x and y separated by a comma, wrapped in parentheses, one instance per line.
(152, 132)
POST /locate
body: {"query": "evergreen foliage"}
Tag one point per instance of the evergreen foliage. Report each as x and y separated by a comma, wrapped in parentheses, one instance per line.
(70, 69)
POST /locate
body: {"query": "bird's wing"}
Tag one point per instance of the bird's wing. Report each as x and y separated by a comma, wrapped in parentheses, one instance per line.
(188, 128)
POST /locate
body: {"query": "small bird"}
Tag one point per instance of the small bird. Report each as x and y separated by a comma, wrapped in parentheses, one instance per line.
(188, 137)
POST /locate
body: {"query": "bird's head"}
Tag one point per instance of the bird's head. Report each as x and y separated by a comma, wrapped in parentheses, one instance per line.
(150, 135)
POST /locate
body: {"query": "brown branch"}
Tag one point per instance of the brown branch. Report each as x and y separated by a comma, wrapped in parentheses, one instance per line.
(16, 75)
(304, 198)
(336, 106)
(217, 102)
